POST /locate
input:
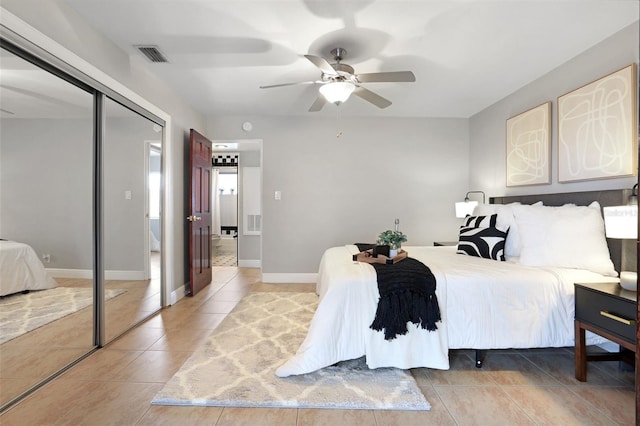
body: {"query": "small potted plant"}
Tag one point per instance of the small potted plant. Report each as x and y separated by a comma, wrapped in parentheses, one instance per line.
(393, 239)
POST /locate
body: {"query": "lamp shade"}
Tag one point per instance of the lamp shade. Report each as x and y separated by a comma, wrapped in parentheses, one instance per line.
(464, 208)
(337, 91)
(621, 221)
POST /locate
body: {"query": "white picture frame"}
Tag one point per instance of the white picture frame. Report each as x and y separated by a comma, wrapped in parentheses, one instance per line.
(597, 129)
(528, 137)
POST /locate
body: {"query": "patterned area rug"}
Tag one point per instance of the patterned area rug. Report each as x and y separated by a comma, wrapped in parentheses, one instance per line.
(21, 313)
(236, 367)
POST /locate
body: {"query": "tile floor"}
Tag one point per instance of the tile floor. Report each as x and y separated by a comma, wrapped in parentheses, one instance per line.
(24, 363)
(115, 385)
(224, 251)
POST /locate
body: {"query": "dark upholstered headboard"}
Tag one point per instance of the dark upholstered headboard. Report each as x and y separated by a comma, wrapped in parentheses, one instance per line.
(611, 197)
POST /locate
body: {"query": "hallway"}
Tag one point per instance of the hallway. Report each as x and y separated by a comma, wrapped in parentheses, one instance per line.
(224, 251)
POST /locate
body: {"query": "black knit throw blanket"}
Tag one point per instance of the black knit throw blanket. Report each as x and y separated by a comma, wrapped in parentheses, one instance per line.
(407, 294)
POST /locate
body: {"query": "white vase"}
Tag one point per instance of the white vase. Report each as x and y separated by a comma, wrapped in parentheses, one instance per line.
(393, 252)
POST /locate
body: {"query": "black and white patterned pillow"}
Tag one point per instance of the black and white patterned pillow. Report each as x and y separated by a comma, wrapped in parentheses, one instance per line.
(480, 221)
(486, 242)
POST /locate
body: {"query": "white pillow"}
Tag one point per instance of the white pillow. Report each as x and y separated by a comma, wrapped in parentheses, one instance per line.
(569, 236)
(506, 220)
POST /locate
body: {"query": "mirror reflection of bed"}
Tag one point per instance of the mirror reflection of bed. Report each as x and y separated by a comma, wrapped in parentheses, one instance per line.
(38, 314)
(47, 322)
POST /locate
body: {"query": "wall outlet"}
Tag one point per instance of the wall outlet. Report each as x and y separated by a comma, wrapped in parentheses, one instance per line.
(46, 258)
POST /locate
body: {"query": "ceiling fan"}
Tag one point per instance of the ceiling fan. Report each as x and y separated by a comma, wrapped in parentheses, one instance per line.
(338, 81)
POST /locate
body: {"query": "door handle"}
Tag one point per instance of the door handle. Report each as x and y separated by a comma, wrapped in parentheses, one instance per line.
(193, 218)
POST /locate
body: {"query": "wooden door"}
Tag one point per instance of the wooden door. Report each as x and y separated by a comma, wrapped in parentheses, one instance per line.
(199, 213)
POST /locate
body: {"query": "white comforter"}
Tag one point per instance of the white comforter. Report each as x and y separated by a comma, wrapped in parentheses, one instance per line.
(484, 304)
(20, 269)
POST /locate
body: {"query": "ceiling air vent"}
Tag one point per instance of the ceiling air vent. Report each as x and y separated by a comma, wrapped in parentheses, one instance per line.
(152, 53)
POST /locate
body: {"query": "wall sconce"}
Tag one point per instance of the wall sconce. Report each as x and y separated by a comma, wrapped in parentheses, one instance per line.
(465, 208)
(622, 222)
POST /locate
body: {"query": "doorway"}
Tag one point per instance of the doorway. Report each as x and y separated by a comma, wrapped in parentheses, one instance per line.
(153, 172)
(236, 165)
(225, 186)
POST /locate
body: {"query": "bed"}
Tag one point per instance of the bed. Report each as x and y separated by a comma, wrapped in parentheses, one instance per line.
(525, 301)
(21, 270)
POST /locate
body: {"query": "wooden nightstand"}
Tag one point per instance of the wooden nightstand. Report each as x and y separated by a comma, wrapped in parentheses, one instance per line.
(445, 243)
(608, 310)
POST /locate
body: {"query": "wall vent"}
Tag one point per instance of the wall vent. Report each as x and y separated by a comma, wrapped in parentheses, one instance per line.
(254, 224)
(152, 53)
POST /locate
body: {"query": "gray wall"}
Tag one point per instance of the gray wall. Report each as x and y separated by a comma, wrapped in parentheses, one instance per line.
(46, 188)
(124, 220)
(487, 128)
(342, 190)
(248, 245)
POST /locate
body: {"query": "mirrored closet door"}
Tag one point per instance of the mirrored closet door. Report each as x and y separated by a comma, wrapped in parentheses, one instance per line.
(46, 218)
(131, 183)
(80, 217)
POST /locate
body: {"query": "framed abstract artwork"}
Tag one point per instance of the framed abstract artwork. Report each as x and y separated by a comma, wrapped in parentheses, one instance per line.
(597, 129)
(529, 146)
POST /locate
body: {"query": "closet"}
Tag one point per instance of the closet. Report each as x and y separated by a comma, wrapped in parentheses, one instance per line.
(81, 182)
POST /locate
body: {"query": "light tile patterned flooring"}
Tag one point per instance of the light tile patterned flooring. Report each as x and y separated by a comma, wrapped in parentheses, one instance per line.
(36, 355)
(224, 252)
(225, 260)
(116, 384)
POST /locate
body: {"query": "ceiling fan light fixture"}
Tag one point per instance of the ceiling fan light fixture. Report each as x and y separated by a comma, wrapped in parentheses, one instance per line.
(337, 92)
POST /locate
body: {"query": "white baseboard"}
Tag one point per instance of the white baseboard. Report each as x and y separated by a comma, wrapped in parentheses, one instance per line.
(289, 278)
(177, 295)
(124, 275)
(70, 273)
(87, 274)
(249, 263)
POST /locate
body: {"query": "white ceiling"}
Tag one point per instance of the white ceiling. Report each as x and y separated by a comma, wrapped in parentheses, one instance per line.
(465, 54)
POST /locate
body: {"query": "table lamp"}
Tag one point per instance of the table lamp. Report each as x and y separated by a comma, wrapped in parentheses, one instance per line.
(622, 222)
(465, 208)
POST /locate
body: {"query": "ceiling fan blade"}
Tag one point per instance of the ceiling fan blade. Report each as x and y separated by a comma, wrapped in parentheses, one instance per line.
(369, 96)
(318, 103)
(289, 84)
(383, 77)
(321, 63)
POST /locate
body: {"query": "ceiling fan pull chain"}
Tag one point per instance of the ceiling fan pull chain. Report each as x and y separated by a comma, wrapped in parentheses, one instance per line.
(338, 131)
